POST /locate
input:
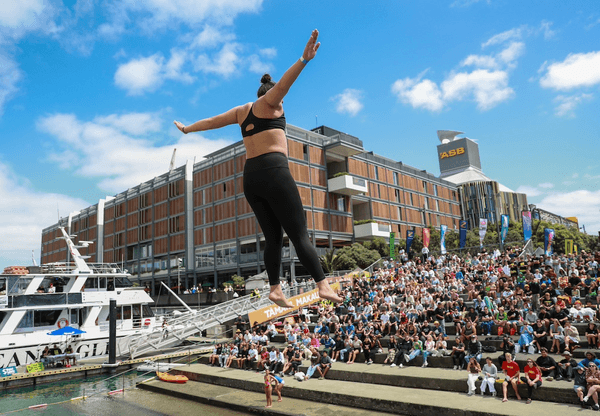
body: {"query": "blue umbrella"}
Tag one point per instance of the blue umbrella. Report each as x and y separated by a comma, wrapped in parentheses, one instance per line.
(67, 330)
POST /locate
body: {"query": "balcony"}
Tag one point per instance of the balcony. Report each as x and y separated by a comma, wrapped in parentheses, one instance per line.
(371, 230)
(348, 185)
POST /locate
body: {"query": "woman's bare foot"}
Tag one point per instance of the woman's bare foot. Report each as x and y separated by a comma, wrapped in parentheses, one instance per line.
(279, 400)
(277, 297)
(268, 405)
(326, 292)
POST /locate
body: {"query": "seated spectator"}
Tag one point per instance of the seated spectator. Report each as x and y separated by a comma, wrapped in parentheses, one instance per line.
(547, 365)
(391, 357)
(251, 357)
(458, 354)
(487, 322)
(417, 349)
(557, 334)
(473, 349)
(263, 360)
(214, 357)
(532, 378)
(540, 334)
(571, 337)
(591, 333)
(526, 338)
(590, 357)
(324, 365)
(490, 373)
(566, 367)
(294, 363)
(356, 349)
(55, 350)
(473, 368)
(511, 372)
(592, 378)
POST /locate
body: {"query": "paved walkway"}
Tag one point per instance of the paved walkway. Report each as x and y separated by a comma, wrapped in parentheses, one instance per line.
(399, 400)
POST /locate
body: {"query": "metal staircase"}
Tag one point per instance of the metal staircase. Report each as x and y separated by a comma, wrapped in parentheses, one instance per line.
(194, 321)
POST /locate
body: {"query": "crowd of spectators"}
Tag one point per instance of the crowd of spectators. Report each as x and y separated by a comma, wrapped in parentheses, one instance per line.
(412, 303)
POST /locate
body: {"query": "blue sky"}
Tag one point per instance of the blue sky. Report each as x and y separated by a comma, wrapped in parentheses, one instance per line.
(89, 90)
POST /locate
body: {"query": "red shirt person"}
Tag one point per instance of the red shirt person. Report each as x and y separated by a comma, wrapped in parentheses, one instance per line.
(511, 375)
(533, 378)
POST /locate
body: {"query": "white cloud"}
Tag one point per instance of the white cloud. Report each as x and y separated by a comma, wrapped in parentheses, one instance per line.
(18, 18)
(148, 74)
(583, 204)
(211, 37)
(225, 63)
(349, 101)
(487, 88)
(268, 52)
(511, 53)
(24, 212)
(140, 75)
(466, 3)
(120, 150)
(480, 61)
(567, 104)
(512, 34)
(419, 94)
(546, 185)
(10, 75)
(258, 66)
(152, 15)
(577, 70)
(545, 28)
(528, 190)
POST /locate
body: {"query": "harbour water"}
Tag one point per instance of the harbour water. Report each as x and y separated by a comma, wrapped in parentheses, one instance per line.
(133, 402)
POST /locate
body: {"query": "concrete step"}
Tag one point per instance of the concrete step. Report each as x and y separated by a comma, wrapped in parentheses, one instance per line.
(378, 389)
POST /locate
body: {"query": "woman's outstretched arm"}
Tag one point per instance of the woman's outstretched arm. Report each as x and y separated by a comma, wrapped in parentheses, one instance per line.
(216, 122)
(281, 88)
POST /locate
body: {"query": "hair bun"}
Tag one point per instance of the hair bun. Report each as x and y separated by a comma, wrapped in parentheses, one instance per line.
(266, 78)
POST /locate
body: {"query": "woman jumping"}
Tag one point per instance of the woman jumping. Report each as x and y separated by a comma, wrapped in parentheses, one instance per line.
(268, 184)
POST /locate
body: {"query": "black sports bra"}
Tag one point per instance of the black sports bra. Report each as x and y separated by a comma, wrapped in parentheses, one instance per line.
(261, 124)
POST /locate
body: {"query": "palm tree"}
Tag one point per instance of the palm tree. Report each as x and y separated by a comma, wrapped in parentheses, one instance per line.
(330, 262)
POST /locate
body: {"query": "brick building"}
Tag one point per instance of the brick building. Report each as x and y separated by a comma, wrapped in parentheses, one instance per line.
(198, 212)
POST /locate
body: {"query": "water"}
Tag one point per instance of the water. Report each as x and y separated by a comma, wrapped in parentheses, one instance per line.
(133, 402)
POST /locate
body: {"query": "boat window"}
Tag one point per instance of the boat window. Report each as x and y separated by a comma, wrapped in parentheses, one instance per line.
(147, 311)
(122, 282)
(136, 311)
(127, 312)
(46, 318)
(26, 321)
(83, 313)
(74, 317)
(2, 286)
(2, 316)
(102, 284)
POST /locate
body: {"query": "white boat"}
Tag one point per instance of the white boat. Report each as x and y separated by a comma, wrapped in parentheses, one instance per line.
(150, 366)
(36, 300)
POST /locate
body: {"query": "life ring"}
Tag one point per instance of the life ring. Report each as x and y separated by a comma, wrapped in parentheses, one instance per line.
(147, 322)
(62, 322)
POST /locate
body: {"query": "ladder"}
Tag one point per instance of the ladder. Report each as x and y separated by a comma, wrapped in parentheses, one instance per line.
(193, 322)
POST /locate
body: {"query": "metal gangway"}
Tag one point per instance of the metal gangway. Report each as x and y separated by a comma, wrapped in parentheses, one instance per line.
(193, 322)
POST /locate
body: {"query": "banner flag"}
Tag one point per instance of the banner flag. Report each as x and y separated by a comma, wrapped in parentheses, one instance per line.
(392, 242)
(504, 230)
(548, 240)
(483, 223)
(462, 224)
(527, 225)
(410, 236)
(443, 229)
(568, 246)
(426, 235)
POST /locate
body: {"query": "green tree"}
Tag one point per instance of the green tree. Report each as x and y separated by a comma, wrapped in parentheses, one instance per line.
(357, 255)
(378, 244)
(331, 261)
(238, 280)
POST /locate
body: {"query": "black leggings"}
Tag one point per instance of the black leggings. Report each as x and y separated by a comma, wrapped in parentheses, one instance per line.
(273, 195)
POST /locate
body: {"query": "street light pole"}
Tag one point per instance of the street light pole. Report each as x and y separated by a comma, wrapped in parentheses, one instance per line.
(178, 279)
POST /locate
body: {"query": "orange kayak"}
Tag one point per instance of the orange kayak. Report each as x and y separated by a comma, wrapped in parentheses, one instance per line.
(171, 378)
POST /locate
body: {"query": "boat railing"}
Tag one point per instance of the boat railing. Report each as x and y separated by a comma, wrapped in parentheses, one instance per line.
(96, 268)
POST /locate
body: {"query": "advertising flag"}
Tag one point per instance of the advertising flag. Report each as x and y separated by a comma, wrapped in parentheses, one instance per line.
(568, 246)
(548, 240)
(426, 236)
(462, 224)
(410, 236)
(504, 230)
(443, 229)
(527, 225)
(482, 230)
(392, 241)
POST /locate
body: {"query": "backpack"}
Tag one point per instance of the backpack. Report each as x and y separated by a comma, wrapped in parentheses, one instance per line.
(489, 348)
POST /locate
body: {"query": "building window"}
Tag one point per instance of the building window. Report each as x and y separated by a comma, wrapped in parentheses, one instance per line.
(430, 219)
(435, 190)
(396, 178)
(411, 200)
(399, 214)
(454, 195)
(397, 191)
(224, 188)
(376, 173)
(305, 152)
(424, 187)
(437, 205)
(144, 216)
(426, 205)
(423, 218)
(341, 204)
(118, 210)
(437, 219)
(174, 189)
(174, 225)
(378, 191)
(144, 200)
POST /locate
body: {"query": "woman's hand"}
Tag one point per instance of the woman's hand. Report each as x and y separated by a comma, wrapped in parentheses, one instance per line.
(312, 46)
(180, 126)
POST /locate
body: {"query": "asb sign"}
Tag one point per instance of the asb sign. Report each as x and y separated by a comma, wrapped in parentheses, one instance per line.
(453, 152)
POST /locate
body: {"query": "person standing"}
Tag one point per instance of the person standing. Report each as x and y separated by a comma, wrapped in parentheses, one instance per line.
(268, 184)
